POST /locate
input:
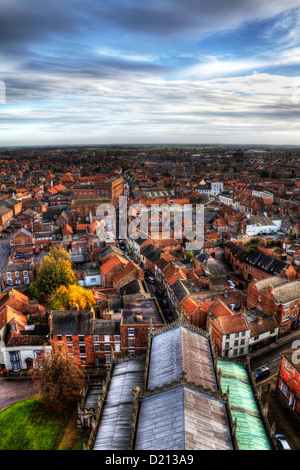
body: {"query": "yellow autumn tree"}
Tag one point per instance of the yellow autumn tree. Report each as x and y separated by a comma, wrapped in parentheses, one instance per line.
(64, 298)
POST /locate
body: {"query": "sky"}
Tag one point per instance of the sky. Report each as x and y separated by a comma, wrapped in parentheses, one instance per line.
(77, 72)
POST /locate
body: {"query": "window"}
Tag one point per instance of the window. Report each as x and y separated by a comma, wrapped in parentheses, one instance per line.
(107, 358)
(131, 343)
(259, 298)
(106, 338)
(96, 337)
(236, 343)
(241, 351)
(82, 349)
(130, 331)
(117, 348)
(97, 347)
(117, 337)
(58, 337)
(236, 335)
(17, 273)
(81, 338)
(15, 360)
(69, 338)
(284, 389)
(287, 366)
(107, 347)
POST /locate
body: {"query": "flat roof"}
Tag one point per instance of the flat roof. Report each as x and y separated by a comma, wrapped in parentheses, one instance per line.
(147, 308)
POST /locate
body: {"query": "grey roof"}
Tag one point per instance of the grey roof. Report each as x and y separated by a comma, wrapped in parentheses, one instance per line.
(109, 249)
(72, 322)
(194, 421)
(23, 266)
(94, 393)
(114, 432)
(105, 327)
(145, 307)
(134, 287)
(4, 209)
(284, 291)
(151, 253)
(265, 263)
(180, 350)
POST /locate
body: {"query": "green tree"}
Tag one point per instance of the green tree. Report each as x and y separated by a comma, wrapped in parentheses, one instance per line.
(189, 255)
(33, 292)
(55, 271)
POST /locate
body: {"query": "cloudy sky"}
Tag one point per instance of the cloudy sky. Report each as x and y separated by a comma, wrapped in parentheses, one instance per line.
(140, 71)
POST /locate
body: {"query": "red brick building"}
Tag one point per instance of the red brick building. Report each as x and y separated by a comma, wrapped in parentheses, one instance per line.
(110, 188)
(289, 378)
(23, 242)
(93, 341)
(17, 273)
(18, 303)
(138, 317)
(279, 297)
(110, 268)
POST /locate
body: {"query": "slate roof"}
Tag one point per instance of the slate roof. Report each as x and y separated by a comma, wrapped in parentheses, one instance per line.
(265, 263)
(22, 266)
(238, 251)
(151, 253)
(72, 322)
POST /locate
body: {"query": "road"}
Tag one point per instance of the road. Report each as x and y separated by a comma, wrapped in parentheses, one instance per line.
(15, 390)
(272, 359)
(4, 252)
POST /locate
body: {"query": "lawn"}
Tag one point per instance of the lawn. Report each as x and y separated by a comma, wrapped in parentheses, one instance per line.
(29, 426)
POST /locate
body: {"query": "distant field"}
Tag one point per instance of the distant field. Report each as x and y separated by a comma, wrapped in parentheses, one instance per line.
(28, 426)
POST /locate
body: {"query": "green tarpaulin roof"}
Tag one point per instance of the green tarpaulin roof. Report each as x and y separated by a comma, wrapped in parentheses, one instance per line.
(250, 432)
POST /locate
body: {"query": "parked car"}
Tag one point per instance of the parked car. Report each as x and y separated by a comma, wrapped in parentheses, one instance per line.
(164, 302)
(261, 372)
(19, 255)
(150, 279)
(282, 442)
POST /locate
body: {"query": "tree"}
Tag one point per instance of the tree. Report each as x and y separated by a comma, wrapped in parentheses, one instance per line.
(32, 292)
(55, 271)
(59, 378)
(189, 255)
(64, 298)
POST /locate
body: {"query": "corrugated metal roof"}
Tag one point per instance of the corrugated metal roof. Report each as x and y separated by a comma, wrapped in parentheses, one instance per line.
(182, 419)
(115, 428)
(250, 432)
